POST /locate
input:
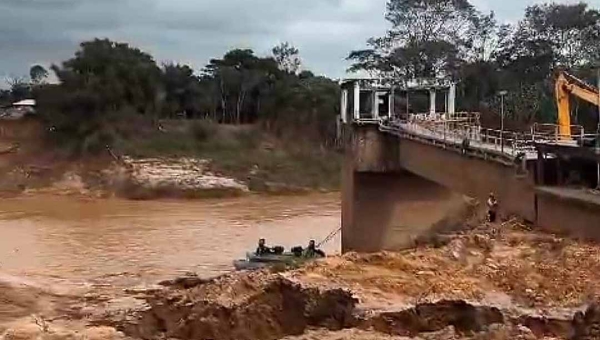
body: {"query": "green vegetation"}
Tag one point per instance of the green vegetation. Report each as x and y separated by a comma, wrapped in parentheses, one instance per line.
(246, 152)
(263, 119)
(108, 91)
(451, 38)
(258, 119)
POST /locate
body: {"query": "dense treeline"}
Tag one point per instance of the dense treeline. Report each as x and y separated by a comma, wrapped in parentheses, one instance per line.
(451, 38)
(107, 87)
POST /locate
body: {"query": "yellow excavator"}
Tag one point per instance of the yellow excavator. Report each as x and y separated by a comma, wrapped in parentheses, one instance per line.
(567, 85)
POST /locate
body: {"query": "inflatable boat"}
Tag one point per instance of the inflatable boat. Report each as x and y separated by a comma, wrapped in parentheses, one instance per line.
(253, 261)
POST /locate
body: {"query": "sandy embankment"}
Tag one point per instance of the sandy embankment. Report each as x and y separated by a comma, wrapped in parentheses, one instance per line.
(183, 177)
(143, 179)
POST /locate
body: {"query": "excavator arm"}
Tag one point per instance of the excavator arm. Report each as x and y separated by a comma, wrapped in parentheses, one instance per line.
(567, 85)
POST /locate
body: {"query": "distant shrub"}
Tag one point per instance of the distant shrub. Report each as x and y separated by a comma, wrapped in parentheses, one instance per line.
(203, 130)
(249, 138)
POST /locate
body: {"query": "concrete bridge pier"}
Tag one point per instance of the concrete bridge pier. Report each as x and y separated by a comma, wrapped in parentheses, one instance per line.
(384, 207)
(371, 182)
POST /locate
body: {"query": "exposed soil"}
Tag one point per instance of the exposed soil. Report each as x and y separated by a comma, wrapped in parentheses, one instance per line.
(170, 163)
(505, 264)
(242, 308)
(492, 282)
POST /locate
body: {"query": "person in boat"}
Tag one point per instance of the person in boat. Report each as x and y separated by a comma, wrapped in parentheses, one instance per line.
(262, 248)
(312, 251)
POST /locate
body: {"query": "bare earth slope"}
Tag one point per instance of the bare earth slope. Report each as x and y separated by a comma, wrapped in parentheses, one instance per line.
(492, 282)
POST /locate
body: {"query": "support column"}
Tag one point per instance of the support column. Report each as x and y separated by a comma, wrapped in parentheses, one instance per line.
(452, 100)
(344, 106)
(446, 102)
(375, 105)
(356, 101)
(540, 168)
(391, 103)
(432, 101)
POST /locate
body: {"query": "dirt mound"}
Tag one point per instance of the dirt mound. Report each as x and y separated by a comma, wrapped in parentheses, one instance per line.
(269, 309)
(433, 317)
(587, 325)
(507, 263)
(492, 282)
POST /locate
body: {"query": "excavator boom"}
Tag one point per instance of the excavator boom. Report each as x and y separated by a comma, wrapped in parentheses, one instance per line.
(567, 85)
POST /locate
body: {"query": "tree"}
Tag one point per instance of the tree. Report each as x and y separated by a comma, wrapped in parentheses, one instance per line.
(5, 97)
(485, 37)
(303, 108)
(19, 88)
(373, 60)
(182, 90)
(241, 77)
(287, 57)
(107, 89)
(549, 37)
(424, 59)
(427, 39)
(103, 84)
(429, 20)
(38, 74)
(572, 32)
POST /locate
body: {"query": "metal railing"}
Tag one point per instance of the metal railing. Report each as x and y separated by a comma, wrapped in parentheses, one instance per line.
(464, 117)
(550, 133)
(465, 127)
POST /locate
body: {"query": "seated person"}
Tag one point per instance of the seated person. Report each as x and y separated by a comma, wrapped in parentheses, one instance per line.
(262, 248)
(312, 251)
(297, 251)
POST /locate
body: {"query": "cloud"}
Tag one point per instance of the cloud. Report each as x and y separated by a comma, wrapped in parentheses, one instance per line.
(193, 31)
(190, 31)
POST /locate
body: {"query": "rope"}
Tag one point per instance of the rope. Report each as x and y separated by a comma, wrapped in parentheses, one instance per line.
(329, 237)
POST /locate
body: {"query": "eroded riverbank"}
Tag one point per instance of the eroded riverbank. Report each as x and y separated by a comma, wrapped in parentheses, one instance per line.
(491, 282)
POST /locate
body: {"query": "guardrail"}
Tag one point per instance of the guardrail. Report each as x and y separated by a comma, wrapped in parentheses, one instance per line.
(462, 130)
(465, 117)
(550, 133)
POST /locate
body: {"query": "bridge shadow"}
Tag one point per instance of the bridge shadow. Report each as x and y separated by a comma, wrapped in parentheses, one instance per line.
(394, 209)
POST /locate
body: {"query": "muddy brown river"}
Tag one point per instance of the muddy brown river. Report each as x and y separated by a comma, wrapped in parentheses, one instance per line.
(120, 242)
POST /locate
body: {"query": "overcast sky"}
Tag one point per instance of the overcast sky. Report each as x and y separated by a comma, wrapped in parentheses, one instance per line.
(193, 31)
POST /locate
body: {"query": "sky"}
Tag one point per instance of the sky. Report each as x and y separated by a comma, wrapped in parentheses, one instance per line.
(193, 31)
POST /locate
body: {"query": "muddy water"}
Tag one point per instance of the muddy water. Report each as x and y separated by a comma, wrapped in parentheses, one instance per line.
(131, 242)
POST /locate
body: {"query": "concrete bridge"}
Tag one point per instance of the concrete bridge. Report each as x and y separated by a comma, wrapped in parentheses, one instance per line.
(392, 161)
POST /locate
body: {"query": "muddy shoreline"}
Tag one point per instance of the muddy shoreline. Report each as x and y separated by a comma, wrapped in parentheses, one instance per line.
(490, 282)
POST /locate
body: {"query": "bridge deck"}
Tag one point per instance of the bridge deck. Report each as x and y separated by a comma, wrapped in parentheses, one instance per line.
(448, 133)
(577, 194)
(475, 141)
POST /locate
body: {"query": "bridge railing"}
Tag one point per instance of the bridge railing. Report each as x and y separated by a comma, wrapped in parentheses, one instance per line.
(551, 133)
(466, 128)
(463, 117)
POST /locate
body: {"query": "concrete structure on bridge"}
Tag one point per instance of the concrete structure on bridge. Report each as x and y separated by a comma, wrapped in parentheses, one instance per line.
(386, 155)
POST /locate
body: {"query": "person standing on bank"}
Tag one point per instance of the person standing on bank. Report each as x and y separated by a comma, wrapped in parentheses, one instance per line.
(492, 205)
